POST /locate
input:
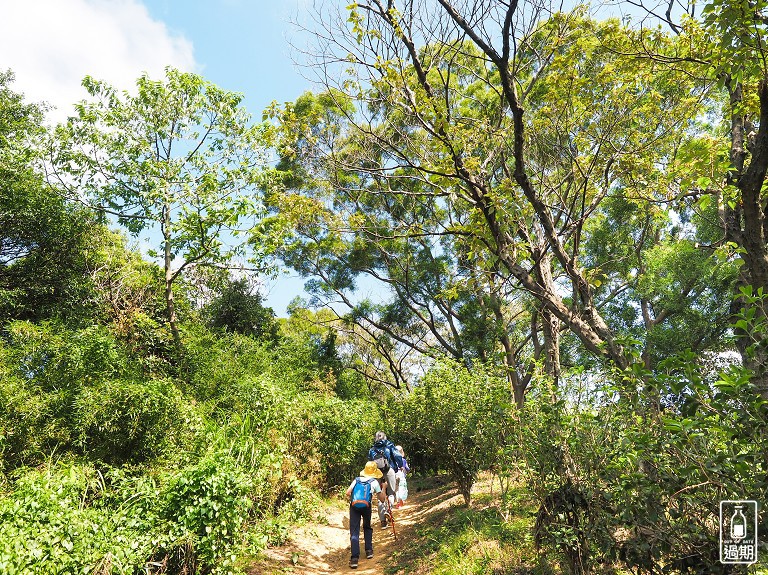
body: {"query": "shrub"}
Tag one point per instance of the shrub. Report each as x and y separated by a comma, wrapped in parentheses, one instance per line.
(455, 418)
(52, 357)
(206, 505)
(68, 519)
(31, 426)
(77, 391)
(633, 471)
(343, 431)
(220, 365)
(149, 343)
(45, 369)
(122, 421)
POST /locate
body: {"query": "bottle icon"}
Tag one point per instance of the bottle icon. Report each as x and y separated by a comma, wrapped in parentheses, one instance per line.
(738, 524)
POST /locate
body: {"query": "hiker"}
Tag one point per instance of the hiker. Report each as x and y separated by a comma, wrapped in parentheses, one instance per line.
(406, 468)
(360, 494)
(388, 460)
(402, 484)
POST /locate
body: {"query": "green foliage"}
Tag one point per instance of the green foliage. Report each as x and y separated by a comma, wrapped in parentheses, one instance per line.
(240, 310)
(665, 291)
(284, 397)
(454, 421)
(125, 283)
(321, 333)
(299, 504)
(120, 421)
(149, 343)
(224, 441)
(343, 431)
(205, 505)
(70, 519)
(227, 369)
(45, 259)
(453, 173)
(74, 519)
(77, 391)
(632, 470)
(733, 39)
(45, 243)
(180, 155)
(477, 542)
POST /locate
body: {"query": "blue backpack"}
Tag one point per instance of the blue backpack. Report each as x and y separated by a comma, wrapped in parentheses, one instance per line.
(380, 453)
(361, 494)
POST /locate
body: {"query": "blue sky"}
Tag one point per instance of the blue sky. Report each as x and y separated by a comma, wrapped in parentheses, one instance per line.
(244, 46)
(240, 45)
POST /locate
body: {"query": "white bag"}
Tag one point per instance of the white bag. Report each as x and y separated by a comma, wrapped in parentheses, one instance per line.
(402, 487)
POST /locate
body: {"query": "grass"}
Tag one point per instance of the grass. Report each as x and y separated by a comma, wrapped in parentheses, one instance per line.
(491, 537)
(484, 539)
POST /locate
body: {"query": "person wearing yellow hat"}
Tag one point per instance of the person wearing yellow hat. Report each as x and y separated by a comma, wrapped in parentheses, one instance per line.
(360, 494)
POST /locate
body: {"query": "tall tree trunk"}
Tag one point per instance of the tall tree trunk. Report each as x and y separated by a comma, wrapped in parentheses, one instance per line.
(518, 382)
(518, 388)
(169, 277)
(550, 324)
(551, 327)
(744, 222)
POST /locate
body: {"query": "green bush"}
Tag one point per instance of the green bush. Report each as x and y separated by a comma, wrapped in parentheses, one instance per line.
(45, 368)
(632, 471)
(343, 431)
(31, 426)
(205, 506)
(257, 431)
(149, 343)
(77, 391)
(74, 519)
(52, 357)
(454, 421)
(122, 421)
(70, 519)
(223, 366)
(214, 364)
(299, 504)
(279, 396)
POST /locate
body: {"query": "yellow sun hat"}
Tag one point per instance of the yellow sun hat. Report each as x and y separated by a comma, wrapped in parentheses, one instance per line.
(371, 470)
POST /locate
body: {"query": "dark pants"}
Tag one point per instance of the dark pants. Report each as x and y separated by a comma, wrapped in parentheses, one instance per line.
(355, 515)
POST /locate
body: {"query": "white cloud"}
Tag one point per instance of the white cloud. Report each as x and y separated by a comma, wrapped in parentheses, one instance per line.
(52, 44)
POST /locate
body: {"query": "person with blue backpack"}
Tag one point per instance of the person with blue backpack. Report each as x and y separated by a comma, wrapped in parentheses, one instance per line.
(389, 461)
(360, 494)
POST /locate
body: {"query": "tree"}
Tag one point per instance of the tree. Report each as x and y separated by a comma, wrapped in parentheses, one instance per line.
(240, 309)
(336, 231)
(44, 242)
(460, 174)
(179, 156)
(724, 44)
(456, 421)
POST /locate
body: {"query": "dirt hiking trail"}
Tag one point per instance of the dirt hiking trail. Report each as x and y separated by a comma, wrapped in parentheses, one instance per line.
(323, 548)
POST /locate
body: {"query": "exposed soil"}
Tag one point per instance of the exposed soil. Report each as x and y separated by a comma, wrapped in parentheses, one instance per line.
(323, 548)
